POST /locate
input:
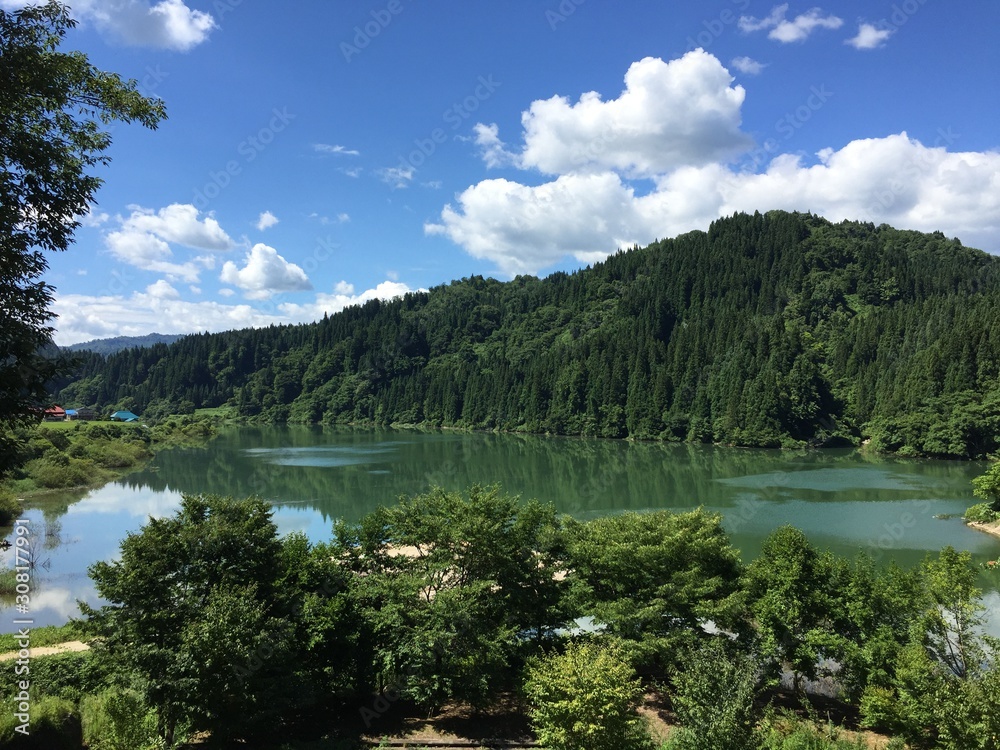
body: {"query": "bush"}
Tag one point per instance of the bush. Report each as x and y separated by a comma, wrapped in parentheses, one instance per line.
(714, 699)
(54, 725)
(118, 720)
(802, 736)
(68, 676)
(982, 513)
(10, 507)
(62, 471)
(587, 698)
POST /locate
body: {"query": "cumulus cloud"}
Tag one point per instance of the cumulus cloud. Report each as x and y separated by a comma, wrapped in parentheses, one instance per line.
(85, 317)
(266, 221)
(179, 223)
(162, 290)
(797, 30)
(896, 180)
(747, 65)
(594, 205)
(143, 239)
(265, 274)
(869, 36)
(670, 114)
(169, 24)
(524, 229)
(493, 151)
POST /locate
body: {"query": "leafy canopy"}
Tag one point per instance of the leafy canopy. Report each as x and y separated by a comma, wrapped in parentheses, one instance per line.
(53, 109)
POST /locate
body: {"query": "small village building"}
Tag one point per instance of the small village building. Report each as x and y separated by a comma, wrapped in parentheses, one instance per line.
(55, 414)
(124, 416)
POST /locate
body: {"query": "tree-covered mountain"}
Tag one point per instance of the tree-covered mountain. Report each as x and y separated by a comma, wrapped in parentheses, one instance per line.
(117, 343)
(766, 330)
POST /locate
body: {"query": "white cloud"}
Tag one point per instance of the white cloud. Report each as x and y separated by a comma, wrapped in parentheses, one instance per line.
(149, 253)
(397, 177)
(144, 236)
(92, 219)
(869, 37)
(748, 65)
(169, 24)
(84, 317)
(671, 113)
(336, 150)
(343, 296)
(494, 152)
(179, 223)
(525, 229)
(266, 221)
(162, 290)
(796, 30)
(896, 180)
(265, 274)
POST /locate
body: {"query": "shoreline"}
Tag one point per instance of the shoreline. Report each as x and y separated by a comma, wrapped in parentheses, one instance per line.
(987, 528)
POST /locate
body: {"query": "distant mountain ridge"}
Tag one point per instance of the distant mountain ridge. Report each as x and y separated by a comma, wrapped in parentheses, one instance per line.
(767, 330)
(117, 343)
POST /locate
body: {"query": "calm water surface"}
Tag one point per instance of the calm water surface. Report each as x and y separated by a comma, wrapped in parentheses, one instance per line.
(842, 500)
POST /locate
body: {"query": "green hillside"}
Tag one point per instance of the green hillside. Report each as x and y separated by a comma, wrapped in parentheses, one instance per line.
(767, 330)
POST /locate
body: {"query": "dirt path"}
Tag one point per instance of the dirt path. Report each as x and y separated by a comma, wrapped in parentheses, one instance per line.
(59, 648)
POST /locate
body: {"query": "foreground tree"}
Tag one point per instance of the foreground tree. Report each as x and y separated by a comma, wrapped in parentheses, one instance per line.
(714, 696)
(217, 623)
(53, 106)
(945, 690)
(793, 605)
(656, 579)
(454, 588)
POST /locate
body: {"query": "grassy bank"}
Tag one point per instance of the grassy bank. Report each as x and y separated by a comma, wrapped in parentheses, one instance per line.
(66, 455)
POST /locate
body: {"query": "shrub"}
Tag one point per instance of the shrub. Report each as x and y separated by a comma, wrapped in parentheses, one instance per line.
(54, 725)
(587, 698)
(66, 676)
(118, 720)
(714, 698)
(10, 507)
(982, 513)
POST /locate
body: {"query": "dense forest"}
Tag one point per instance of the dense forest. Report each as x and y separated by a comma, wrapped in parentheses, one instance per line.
(211, 625)
(773, 329)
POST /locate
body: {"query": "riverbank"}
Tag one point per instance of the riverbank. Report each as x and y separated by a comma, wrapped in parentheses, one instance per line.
(57, 456)
(989, 528)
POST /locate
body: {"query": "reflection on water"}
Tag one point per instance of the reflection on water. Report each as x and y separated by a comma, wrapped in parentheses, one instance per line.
(841, 499)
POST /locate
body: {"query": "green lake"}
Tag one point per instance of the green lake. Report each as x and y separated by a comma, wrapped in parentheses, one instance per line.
(843, 500)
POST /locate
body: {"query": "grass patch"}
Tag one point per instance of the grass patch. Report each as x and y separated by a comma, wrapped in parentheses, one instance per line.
(49, 635)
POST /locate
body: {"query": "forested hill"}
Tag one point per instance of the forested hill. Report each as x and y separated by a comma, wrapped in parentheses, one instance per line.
(766, 330)
(117, 343)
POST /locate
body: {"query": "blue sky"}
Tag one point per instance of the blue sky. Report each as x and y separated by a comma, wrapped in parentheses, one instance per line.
(318, 154)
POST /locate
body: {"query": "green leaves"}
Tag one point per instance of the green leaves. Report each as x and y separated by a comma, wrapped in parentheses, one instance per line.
(587, 698)
(52, 104)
